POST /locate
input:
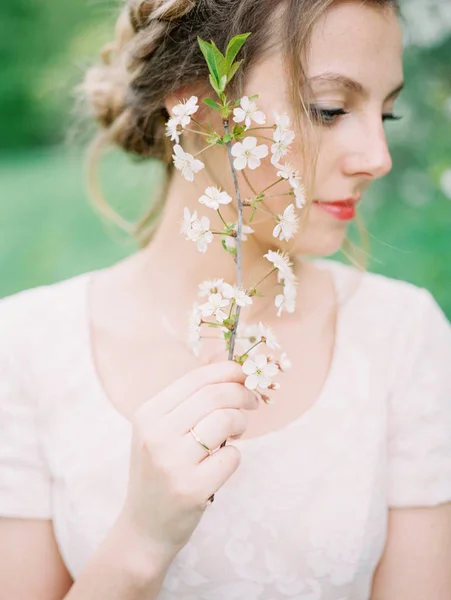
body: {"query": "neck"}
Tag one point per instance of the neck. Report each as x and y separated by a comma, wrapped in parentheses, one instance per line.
(174, 267)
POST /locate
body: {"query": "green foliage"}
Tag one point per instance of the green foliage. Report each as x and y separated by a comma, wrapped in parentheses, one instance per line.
(49, 231)
(234, 47)
(233, 69)
(212, 104)
(43, 48)
(222, 68)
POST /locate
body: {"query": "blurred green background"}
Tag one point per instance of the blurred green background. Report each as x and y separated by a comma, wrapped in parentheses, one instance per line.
(50, 231)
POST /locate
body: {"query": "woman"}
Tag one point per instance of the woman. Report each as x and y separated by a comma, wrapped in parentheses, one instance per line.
(112, 427)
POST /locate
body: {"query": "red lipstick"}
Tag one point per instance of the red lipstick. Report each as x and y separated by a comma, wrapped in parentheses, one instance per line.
(343, 210)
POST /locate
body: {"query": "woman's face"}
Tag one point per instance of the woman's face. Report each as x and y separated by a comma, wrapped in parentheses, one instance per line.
(355, 71)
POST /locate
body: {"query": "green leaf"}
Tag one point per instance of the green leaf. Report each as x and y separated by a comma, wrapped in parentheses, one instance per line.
(227, 138)
(220, 61)
(215, 85)
(212, 104)
(223, 83)
(209, 56)
(233, 69)
(235, 46)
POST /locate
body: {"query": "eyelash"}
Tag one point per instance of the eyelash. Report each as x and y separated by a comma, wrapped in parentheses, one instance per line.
(328, 116)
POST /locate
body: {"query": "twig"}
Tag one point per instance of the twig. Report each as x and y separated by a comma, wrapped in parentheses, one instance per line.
(272, 185)
(254, 287)
(198, 132)
(249, 183)
(222, 219)
(198, 123)
(238, 260)
(203, 149)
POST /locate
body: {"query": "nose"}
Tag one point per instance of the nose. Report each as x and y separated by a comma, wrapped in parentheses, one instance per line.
(369, 154)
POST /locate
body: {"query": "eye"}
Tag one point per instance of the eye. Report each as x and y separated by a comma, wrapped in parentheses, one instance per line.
(390, 117)
(325, 116)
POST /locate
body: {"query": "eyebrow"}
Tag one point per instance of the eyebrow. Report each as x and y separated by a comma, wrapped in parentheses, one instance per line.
(351, 84)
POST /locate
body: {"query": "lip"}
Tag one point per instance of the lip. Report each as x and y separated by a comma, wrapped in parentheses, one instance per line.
(343, 210)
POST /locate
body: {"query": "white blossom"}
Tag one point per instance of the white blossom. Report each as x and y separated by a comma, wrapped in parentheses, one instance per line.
(287, 225)
(259, 372)
(248, 154)
(186, 163)
(283, 138)
(299, 193)
(214, 306)
(230, 240)
(174, 129)
(288, 172)
(248, 111)
(240, 296)
(254, 333)
(213, 197)
(227, 290)
(194, 323)
(282, 121)
(287, 300)
(281, 147)
(211, 286)
(284, 362)
(184, 110)
(281, 261)
(200, 233)
(188, 220)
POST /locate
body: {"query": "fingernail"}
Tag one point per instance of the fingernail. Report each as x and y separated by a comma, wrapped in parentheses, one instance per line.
(267, 399)
(258, 396)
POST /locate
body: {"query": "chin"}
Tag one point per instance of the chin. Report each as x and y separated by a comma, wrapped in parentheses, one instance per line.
(319, 244)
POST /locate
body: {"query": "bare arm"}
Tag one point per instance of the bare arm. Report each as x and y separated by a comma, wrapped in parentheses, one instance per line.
(416, 563)
(171, 477)
(31, 567)
(125, 567)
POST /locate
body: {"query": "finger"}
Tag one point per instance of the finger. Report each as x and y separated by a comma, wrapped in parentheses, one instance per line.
(190, 383)
(212, 431)
(213, 472)
(207, 400)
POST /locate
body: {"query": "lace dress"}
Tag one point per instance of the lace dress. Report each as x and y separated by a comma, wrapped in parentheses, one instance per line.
(305, 515)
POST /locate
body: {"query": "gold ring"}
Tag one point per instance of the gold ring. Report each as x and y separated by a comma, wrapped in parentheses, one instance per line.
(200, 441)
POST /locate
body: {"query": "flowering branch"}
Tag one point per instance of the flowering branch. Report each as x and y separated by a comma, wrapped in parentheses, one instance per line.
(224, 302)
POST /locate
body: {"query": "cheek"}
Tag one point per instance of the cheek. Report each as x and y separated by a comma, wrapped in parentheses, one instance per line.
(277, 197)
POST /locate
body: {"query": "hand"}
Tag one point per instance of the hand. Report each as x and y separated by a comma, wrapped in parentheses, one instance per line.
(171, 474)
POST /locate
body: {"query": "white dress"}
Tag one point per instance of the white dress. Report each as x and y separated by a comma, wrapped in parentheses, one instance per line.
(304, 517)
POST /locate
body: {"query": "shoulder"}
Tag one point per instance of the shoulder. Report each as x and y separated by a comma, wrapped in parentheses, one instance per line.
(381, 299)
(397, 325)
(31, 319)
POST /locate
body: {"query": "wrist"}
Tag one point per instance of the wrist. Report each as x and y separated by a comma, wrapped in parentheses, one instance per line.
(145, 560)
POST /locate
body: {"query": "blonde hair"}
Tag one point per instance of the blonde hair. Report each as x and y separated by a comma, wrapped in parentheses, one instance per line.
(155, 53)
